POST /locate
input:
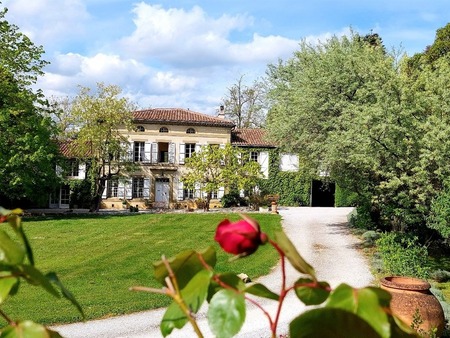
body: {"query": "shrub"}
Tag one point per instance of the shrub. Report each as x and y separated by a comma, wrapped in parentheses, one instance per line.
(403, 255)
(439, 218)
(370, 237)
(440, 276)
(344, 197)
(233, 199)
(361, 218)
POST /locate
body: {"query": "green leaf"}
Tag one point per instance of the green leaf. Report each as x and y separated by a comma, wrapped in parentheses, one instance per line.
(330, 323)
(230, 279)
(51, 276)
(7, 286)
(29, 329)
(193, 295)
(10, 251)
(35, 277)
(311, 292)
(292, 254)
(226, 313)
(369, 303)
(261, 290)
(185, 265)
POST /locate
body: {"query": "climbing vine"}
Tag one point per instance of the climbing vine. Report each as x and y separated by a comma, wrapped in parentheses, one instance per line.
(292, 187)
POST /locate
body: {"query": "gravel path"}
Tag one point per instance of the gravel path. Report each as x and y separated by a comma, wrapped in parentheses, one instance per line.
(321, 237)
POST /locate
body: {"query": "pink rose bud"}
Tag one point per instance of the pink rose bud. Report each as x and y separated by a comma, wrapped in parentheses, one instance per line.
(240, 238)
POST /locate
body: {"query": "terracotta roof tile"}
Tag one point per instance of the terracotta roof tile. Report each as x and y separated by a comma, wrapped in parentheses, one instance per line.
(247, 137)
(179, 116)
(68, 149)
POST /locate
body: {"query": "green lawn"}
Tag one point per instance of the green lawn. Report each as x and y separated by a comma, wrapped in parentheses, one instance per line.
(99, 257)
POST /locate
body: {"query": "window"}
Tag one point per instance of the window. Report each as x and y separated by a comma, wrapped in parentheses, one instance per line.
(190, 131)
(188, 194)
(189, 149)
(163, 149)
(113, 188)
(73, 168)
(163, 130)
(139, 151)
(254, 156)
(140, 129)
(214, 195)
(138, 187)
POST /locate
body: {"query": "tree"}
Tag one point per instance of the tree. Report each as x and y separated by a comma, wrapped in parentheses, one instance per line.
(345, 108)
(27, 152)
(99, 120)
(18, 54)
(214, 167)
(245, 105)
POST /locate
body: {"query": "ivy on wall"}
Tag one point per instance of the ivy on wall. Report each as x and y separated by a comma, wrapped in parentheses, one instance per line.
(292, 187)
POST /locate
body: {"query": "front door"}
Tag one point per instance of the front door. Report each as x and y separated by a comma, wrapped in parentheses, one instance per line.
(162, 193)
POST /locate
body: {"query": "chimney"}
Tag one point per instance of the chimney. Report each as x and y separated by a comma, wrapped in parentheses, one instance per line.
(221, 112)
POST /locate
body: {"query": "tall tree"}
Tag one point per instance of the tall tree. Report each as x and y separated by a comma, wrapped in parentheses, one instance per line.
(246, 105)
(27, 152)
(99, 121)
(18, 54)
(214, 167)
(345, 108)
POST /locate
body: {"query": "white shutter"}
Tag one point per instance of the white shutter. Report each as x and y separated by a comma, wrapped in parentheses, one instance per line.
(107, 183)
(146, 191)
(121, 189)
(128, 189)
(220, 193)
(198, 147)
(58, 171)
(171, 153)
(263, 160)
(154, 152)
(82, 170)
(182, 153)
(222, 162)
(130, 155)
(197, 190)
(147, 152)
(180, 191)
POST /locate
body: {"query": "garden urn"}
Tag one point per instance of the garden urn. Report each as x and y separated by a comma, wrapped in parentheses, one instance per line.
(413, 302)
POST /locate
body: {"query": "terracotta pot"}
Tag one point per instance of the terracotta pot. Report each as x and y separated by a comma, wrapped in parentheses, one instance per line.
(410, 295)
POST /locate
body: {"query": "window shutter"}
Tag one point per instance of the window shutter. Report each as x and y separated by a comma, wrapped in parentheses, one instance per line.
(121, 189)
(58, 171)
(130, 154)
(82, 170)
(154, 152)
(146, 191)
(172, 153)
(222, 162)
(197, 190)
(182, 153)
(147, 152)
(180, 191)
(220, 193)
(128, 189)
(263, 160)
(105, 191)
(198, 147)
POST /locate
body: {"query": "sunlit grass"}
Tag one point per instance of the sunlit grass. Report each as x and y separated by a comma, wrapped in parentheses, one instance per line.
(99, 258)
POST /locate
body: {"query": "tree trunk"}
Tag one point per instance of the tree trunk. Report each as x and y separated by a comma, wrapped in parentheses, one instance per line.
(97, 198)
(208, 200)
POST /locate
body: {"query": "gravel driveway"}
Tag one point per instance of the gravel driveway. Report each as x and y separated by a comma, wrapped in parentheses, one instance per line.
(321, 237)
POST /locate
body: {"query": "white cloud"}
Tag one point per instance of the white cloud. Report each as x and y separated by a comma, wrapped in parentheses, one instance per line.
(47, 22)
(191, 38)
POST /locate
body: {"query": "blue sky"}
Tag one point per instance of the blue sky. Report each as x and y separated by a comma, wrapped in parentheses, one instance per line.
(187, 53)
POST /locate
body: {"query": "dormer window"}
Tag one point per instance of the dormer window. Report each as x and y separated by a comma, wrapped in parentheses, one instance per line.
(190, 131)
(163, 130)
(140, 129)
